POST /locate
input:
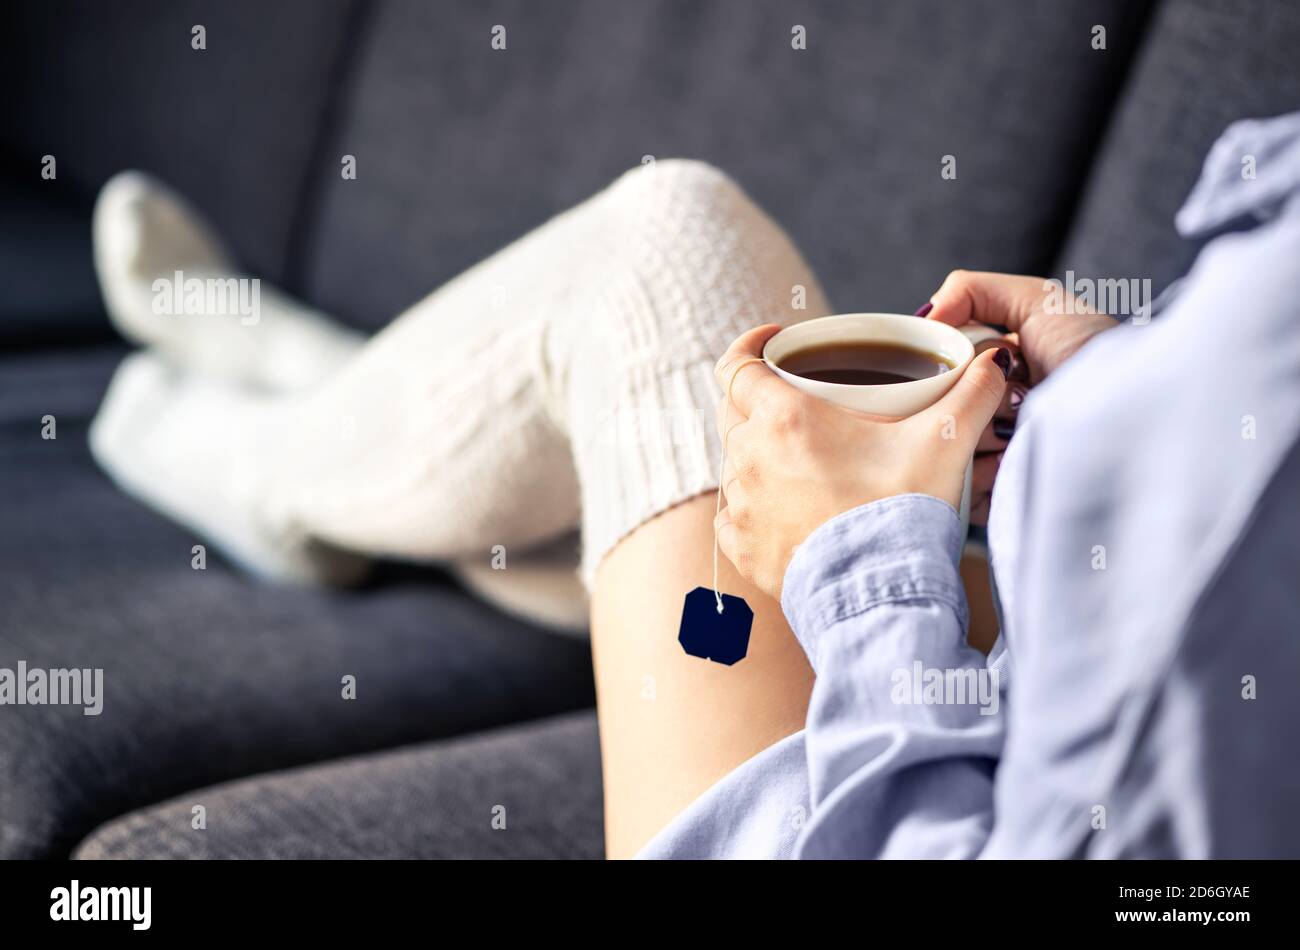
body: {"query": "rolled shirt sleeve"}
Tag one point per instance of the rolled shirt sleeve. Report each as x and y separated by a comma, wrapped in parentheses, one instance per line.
(905, 723)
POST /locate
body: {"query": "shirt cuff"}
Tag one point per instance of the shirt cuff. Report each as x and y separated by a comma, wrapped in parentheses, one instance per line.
(897, 549)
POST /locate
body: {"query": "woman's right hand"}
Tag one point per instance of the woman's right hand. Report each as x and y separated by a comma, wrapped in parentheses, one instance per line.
(1046, 324)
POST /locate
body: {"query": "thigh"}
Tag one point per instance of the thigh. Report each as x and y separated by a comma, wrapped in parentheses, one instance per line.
(671, 725)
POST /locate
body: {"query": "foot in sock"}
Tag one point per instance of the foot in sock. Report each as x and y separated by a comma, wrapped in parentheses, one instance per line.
(150, 246)
(178, 443)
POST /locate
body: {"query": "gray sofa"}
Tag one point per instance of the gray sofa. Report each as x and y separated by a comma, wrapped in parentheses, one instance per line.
(223, 693)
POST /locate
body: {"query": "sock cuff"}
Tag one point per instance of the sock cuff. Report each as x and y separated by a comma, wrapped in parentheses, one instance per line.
(654, 447)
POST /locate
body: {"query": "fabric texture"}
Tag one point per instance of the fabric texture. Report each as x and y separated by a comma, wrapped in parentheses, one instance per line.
(530, 792)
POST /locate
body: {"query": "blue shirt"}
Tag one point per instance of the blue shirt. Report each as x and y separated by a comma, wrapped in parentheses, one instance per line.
(1145, 545)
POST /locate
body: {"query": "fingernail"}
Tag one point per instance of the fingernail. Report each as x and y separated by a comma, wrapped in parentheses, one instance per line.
(1003, 358)
(1004, 429)
(1016, 398)
(925, 309)
(1019, 368)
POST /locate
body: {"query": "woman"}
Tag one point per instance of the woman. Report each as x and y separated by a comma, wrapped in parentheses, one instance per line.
(510, 408)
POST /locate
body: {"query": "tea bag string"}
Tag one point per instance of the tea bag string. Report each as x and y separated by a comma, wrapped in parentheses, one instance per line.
(722, 466)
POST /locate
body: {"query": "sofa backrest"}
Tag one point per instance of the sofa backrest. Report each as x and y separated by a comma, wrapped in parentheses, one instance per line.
(1065, 154)
(1202, 65)
(104, 87)
(461, 147)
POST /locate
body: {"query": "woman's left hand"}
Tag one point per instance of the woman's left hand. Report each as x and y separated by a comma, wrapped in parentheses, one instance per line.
(795, 461)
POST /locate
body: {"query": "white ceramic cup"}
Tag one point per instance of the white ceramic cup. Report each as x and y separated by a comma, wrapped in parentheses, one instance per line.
(897, 400)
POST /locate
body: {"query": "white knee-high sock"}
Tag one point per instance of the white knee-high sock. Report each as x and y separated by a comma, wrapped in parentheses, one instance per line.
(565, 380)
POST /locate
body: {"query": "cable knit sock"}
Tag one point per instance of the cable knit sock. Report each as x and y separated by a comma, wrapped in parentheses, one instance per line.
(566, 380)
(150, 248)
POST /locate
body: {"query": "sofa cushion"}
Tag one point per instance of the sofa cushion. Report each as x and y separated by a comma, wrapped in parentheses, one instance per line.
(1202, 65)
(460, 148)
(208, 676)
(529, 791)
(106, 87)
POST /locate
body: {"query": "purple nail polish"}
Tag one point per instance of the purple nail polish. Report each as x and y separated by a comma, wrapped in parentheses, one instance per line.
(925, 309)
(1016, 398)
(1003, 358)
(1004, 429)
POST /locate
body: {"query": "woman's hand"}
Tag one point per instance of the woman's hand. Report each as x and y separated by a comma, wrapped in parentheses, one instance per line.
(1046, 336)
(795, 461)
(1021, 304)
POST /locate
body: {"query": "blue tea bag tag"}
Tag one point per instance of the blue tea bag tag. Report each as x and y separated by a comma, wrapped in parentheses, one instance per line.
(706, 633)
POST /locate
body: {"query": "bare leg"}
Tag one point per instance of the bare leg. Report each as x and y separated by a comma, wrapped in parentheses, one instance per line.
(671, 724)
